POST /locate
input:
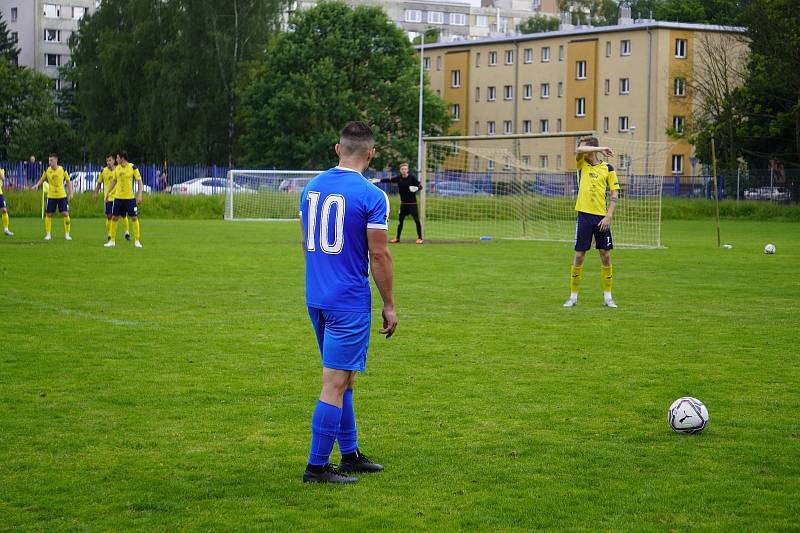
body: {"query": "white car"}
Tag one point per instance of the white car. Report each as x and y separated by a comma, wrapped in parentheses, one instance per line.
(207, 186)
(87, 181)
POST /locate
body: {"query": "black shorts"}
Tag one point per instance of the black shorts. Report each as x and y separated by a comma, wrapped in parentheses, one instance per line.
(409, 209)
(52, 203)
(125, 207)
(2, 202)
(109, 208)
(587, 228)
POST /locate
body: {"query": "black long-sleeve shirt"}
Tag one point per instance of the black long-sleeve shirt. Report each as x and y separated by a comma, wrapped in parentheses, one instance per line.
(403, 184)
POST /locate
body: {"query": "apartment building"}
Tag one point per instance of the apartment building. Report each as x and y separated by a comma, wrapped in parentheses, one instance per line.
(631, 81)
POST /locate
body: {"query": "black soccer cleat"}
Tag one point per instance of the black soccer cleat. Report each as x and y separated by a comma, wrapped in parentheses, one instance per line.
(127, 236)
(358, 462)
(329, 474)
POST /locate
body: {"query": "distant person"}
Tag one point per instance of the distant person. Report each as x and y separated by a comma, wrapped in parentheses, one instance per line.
(594, 218)
(59, 193)
(124, 200)
(104, 182)
(31, 170)
(3, 207)
(162, 181)
(408, 186)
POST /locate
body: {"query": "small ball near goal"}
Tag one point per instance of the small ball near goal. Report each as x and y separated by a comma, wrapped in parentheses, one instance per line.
(769, 249)
(687, 415)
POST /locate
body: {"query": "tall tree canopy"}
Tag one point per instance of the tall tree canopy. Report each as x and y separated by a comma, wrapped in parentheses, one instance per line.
(338, 64)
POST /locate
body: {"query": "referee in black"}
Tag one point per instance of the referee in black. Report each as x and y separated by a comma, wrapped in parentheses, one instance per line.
(408, 186)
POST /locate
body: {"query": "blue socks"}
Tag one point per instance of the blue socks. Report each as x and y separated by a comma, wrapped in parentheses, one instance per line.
(348, 436)
(324, 430)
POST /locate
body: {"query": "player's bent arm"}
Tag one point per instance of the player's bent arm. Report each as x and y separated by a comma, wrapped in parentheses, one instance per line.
(111, 185)
(612, 205)
(380, 259)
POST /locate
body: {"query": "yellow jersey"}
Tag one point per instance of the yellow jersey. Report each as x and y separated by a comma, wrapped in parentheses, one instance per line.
(594, 180)
(56, 178)
(2, 177)
(105, 178)
(125, 176)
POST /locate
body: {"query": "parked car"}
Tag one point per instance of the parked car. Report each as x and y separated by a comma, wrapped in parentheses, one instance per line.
(207, 186)
(86, 182)
(293, 184)
(777, 194)
(456, 188)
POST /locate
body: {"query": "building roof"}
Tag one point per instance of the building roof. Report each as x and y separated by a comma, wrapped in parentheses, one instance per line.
(576, 32)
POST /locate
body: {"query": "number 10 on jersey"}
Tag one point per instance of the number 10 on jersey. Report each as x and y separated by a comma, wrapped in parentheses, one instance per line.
(328, 203)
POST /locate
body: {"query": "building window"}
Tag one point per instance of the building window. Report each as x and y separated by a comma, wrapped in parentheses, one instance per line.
(580, 107)
(527, 91)
(458, 19)
(478, 59)
(544, 90)
(52, 11)
(677, 164)
(680, 48)
(14, 37)
(509, 57)
(558, 125)
(607, 86)
(52, 36)
(545, 54)
(623, 124)
(558, 161)
(503, 26)
(560, 89)
(507, 163)
(526, 161)
(624, 86)
(491, 93)
(490, 128)
(529, 55)
(580, 70)
(608, 48)
(605, 124)
(477, 129)
(508, 92)
(543, 161)
(455, 112)
(561, 52)
(435, 17)
(413, 15)
(490, 164)
(536, 5)
(455, 78)
(78, 12)
(426, 63)
(625, 47)
(482, 21)
(625, 161)
(677, 123)
(438, 62)
(544, 126)
(57, 84)
(492, 59)
(527, 126)
(680, 87)
(14, 14)
(508, 127)
(477, 94)
(52, 60)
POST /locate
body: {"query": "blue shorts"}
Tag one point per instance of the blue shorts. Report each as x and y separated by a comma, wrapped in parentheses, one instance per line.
(52, 203)
(343, 337)
(125, 207)
(2, 202)
(109, 208)
(587, 228)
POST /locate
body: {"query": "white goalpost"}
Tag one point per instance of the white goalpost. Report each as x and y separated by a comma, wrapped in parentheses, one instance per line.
(525, 186)
(265, 194)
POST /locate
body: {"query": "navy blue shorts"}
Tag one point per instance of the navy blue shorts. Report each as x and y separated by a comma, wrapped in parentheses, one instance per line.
(343, 337)
(125, 207)
(587, 228)
(52, 203)
(2, 202)
(109, 208)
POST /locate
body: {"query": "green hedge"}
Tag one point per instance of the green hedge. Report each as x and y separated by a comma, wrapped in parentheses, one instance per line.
(28, 204)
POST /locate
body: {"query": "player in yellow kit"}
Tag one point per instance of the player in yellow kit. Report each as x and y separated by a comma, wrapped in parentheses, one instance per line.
(59, 193)
(594, 218)
(3, 207)
(104, 181)
(121, 187)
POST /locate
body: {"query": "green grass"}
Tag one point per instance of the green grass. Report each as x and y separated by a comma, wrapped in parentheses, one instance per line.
(171, 388)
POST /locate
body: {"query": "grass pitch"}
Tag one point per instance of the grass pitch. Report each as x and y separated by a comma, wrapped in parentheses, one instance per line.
(171, 388)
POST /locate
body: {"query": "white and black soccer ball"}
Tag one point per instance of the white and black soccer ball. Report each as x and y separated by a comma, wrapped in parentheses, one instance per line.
(769, 249)
(687, 415)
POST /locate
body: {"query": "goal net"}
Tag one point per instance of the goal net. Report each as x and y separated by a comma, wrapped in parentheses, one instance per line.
(265, 194)
(525, 187)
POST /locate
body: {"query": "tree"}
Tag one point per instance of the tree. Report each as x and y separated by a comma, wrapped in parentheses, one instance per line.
(339, 64)
(594, 12)
(431, 36)
(8, 46)
(539, 23)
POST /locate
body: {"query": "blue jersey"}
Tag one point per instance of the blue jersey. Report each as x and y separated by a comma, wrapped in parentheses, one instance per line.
(336, 208)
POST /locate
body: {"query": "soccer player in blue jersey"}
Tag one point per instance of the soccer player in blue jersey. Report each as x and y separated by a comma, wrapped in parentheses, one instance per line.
(344, 220)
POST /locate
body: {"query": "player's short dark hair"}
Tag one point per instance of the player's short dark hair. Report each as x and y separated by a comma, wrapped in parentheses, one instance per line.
(53, 155)
(123, 154)
(356, 139)
(110, 155)
(590, 140)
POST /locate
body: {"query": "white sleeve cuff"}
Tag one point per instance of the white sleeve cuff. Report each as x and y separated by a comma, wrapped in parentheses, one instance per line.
(378, 226)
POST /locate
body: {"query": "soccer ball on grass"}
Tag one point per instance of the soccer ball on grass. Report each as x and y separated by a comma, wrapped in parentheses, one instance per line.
(769, 249)
(687, 415)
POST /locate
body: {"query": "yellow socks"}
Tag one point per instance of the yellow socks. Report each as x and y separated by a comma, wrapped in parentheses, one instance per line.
(5, 220)
(113, 230)
(48, 224)
(607, 278)
(136, 229)
(108, 227)
(125, 225)
(67, 224)
(576, 273)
